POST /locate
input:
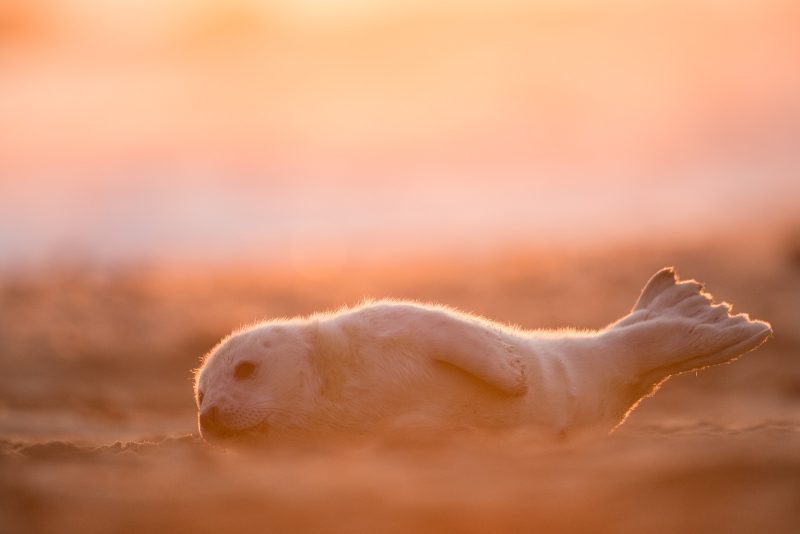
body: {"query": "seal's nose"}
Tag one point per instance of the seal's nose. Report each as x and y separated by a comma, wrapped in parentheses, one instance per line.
(211, 425)
(209, 417)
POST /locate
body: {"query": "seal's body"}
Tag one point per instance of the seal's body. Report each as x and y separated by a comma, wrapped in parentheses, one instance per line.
(386, 363)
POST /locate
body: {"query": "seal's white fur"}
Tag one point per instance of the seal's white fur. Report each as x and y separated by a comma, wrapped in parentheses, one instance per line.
(362, 369)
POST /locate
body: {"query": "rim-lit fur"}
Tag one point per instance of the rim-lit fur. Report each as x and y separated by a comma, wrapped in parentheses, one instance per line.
(385, 363)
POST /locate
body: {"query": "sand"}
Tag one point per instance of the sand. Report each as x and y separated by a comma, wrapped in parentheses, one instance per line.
(97, 422)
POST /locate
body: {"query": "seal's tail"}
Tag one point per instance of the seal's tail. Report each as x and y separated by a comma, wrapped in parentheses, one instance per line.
(675, 327)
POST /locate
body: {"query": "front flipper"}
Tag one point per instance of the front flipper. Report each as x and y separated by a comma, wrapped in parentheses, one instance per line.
(471, 345)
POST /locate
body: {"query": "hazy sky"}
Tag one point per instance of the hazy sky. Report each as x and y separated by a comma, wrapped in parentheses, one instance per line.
(132, 128)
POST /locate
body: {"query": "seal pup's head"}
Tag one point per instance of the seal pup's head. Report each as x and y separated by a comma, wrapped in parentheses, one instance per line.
(255, 379)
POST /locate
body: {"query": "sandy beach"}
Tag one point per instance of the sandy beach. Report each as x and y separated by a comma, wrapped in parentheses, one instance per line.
(99, 431)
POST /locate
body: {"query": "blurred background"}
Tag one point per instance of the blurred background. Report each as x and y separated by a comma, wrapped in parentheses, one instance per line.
(299, 130)
(171, 170)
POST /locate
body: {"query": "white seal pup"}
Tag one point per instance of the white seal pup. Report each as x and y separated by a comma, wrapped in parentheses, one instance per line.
(363, 369)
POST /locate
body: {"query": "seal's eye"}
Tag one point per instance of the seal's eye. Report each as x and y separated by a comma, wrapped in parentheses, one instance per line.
(200, 396)
(244, 370)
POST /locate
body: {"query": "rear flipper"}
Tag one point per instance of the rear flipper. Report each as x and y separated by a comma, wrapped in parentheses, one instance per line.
(674, 328)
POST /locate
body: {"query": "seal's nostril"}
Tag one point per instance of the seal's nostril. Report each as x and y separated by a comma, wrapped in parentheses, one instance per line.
(209, 416)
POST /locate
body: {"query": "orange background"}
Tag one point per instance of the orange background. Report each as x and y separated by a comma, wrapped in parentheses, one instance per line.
(224, 130)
